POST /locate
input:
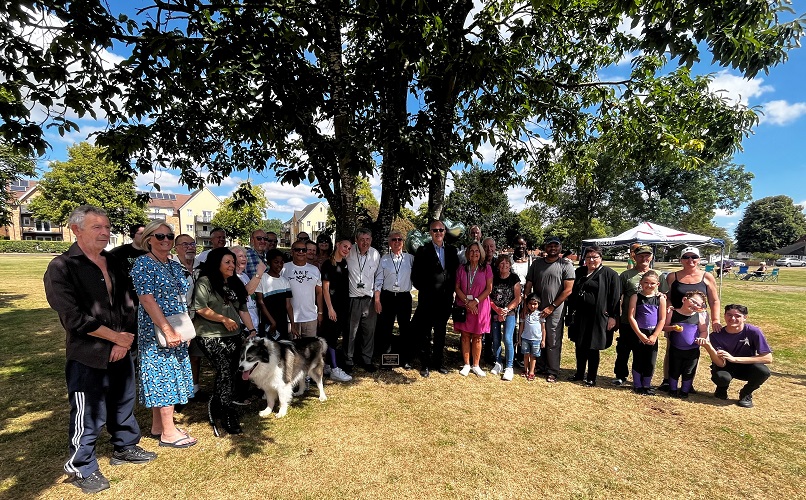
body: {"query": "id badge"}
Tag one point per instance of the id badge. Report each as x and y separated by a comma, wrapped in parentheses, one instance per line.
(469, 298)
(395, 288)
(360, 285)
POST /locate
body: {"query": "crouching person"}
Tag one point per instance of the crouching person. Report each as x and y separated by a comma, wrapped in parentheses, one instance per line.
(740, 351)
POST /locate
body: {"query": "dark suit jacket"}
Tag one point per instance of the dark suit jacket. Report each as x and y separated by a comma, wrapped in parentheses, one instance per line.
(427, 275)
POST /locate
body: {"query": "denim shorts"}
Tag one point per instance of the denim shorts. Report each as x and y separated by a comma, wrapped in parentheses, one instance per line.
(530, 347)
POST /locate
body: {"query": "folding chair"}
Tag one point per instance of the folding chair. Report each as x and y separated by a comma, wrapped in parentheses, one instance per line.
(741, 273)
(773, 276)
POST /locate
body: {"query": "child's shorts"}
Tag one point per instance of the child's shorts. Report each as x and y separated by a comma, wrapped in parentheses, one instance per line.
(530, 347)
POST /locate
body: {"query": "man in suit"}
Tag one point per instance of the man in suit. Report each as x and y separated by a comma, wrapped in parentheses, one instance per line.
(434, 276)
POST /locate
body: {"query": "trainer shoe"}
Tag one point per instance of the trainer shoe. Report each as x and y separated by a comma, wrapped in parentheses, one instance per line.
(745, 401)
(508, 374)
(478, 371)
(339, 375)
(464, 371)
(93, 483)
(721, 393)
(496, 368)
(133, 455)
(618, 382)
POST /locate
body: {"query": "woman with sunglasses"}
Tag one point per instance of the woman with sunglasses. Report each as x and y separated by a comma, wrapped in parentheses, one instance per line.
(324, 249)
(688, 279)
(688, 328)
(165, 377)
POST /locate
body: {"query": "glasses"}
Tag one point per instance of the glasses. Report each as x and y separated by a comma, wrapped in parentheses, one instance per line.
(689, 257)
(438, 230)
(187, 244)
(262, 238)
(696, 305)
(395, 239)
(161, 236)
(271, 241)
(593, 257)
(304, 238)
(300, 249)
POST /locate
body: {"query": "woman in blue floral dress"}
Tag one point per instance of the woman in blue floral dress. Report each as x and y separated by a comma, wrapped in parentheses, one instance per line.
(165, 376)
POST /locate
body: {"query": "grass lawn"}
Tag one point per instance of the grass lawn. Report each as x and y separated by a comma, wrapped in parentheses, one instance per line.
(396, 435)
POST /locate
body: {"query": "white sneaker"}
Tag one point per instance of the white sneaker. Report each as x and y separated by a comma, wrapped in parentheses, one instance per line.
(327, 370)
(478, 371)
(464, 371)
(339, 375)
(496, 368)
(508, 374)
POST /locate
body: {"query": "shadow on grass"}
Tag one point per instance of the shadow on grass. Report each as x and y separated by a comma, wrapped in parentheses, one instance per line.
(33, 402)
(6, 299)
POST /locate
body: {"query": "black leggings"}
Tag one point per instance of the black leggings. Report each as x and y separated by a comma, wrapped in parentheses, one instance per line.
(755, 374)
(644, 357)
(224, 355)
(589, 357)
(683, 362)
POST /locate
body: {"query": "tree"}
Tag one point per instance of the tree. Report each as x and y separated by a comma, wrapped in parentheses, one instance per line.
(240, 217)
(87, 178)
(479, 199)
(273, 225)
(296, 87)
(13, 167)
(770, 223)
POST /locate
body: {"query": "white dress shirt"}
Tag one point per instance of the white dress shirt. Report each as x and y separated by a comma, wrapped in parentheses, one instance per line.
(362, 270)
(395, 270)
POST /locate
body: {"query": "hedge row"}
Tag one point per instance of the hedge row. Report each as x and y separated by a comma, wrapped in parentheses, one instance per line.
(32, 246)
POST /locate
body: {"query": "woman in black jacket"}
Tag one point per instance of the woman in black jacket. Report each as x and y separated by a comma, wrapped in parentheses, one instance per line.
(594, 307)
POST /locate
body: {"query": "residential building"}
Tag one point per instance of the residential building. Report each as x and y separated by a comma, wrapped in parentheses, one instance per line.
(24, 226)
(186, 213)
(312, 219)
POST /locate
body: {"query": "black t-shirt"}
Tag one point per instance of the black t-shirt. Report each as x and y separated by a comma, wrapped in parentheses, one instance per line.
(503, 292)
(339, 278)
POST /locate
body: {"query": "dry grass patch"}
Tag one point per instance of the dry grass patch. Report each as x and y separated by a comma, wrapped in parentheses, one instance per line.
(396, 435)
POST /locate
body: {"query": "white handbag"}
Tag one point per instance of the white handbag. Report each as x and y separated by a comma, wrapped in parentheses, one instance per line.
(181, 323)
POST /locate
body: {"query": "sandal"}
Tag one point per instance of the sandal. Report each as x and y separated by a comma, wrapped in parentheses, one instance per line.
(551, 379)
(179, 444)
(530, 377)
(159, 435)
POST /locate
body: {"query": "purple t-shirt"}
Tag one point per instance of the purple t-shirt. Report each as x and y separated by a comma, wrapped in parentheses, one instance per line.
(687, 339)
(749, 342)
(646, 311)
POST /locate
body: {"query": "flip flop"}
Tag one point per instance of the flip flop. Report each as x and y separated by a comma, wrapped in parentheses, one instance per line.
(159, 436)
(176, 444)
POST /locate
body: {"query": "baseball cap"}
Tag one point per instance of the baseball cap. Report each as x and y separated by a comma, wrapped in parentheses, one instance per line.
(552, 239)
(643, 249)
(694, 250)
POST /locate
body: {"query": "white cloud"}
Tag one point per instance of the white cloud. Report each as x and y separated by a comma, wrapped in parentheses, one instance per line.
(782, 112)
(735, 88)
(168, 181)
(802, 204)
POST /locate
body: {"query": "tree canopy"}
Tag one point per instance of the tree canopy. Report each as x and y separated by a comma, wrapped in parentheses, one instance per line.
(87, 178)
(241, 216)
(329, 91)
(770, 223)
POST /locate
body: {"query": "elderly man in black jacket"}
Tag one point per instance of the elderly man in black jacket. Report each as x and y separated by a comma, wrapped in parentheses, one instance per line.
(434, 276)
(89, 289)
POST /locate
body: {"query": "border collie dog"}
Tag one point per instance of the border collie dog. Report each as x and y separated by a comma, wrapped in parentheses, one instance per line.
(276, 367)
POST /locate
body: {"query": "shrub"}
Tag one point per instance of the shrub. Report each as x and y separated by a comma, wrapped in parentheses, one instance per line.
(33, 246)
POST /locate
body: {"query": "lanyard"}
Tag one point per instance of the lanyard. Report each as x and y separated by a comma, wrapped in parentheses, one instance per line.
(471, 279)
(397, 266)
(361, 267)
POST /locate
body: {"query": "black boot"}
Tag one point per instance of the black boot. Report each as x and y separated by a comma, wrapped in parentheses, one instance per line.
(230, 421)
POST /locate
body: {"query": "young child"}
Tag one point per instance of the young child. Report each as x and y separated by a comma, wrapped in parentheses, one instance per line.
(647, 313)
(688, 329)
(530, 334)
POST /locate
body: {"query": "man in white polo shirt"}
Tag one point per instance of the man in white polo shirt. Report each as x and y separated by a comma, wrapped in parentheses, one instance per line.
(363, 264)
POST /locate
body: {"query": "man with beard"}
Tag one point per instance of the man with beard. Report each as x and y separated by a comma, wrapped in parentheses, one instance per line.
(552, 278)
(630, 278)
(256, 251)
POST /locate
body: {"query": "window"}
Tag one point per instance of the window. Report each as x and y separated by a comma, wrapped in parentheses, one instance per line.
(26, 221)
(207, 213)
(190, 212)
(43, 225)
(189, 228)
(309, 223)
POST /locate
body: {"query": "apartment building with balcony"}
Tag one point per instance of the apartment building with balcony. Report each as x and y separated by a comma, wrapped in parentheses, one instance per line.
(312, 219)
(186, 213)
(24, 226)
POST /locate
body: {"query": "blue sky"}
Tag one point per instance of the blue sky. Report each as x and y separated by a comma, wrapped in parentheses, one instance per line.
(774, 153)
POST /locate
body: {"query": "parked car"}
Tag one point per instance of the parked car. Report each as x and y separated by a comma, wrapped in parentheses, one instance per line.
(790, 262)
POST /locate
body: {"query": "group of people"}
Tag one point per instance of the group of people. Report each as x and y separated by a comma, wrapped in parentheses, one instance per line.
(348, 293)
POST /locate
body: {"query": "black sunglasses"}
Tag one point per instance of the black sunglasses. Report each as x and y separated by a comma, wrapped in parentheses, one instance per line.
(687, 257)
(161, 236)
(300, 249)
(395, 239)
(438, 230)
(262, 238)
